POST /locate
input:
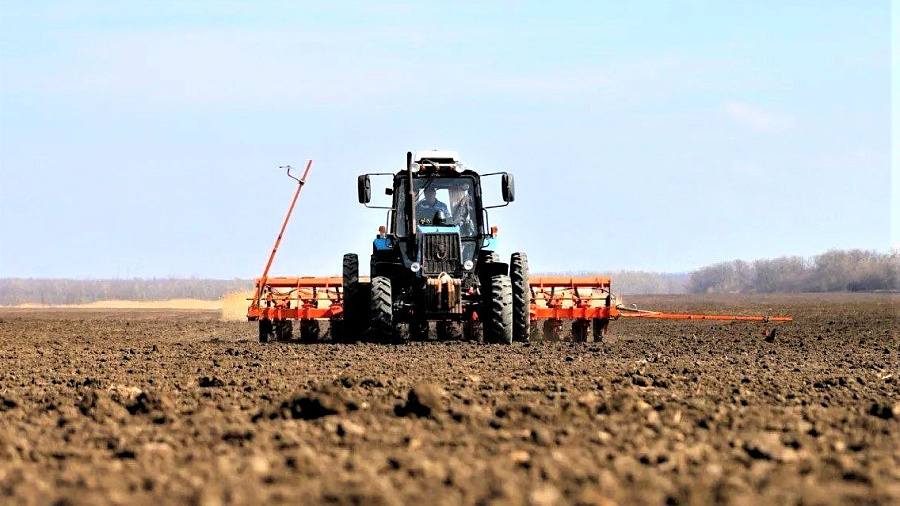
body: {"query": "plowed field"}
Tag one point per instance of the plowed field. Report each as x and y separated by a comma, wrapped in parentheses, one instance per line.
(176, 406)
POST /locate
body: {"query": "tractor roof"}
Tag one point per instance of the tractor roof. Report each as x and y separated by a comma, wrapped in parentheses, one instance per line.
(439, 159)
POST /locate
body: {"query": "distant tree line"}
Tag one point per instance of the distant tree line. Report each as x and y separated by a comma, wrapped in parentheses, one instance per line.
(833, 271)
(15, 291)
(853, 270)
(639, 282)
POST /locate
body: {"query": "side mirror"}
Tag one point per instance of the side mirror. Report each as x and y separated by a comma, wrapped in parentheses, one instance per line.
(364, 189)
(509, 187)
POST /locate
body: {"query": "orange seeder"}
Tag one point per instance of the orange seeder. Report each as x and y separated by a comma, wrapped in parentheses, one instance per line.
(591, 305)
(588, 302)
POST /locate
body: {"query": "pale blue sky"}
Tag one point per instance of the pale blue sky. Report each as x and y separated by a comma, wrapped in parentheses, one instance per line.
(142, 138)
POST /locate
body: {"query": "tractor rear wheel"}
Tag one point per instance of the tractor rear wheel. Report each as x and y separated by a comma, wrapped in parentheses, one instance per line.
(309, 330)
(519, 276)
(498, 322)
(353, 315)
(266, 330)
(381, 310)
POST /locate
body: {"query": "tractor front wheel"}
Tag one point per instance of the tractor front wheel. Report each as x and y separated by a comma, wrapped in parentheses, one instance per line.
(381, 310)
(519, 276)
(498, 324)
(353, 314)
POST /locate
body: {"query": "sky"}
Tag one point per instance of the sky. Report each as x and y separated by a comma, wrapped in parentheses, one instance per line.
(144, 138)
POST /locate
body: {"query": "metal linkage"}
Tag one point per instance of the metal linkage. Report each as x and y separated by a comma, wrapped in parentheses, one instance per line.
(625, 312)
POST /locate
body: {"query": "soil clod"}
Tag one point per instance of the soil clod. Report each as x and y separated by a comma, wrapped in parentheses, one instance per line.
(423, 400)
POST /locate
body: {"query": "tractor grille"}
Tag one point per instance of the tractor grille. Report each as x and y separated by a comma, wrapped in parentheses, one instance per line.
(440, 253)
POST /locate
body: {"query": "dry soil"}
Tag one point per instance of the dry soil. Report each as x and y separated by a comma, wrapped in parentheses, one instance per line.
(179, 406)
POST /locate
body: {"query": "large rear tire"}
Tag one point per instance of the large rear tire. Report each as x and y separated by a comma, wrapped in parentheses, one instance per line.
(519, 276)
(381, 310)
(353, 315)
(498, 322)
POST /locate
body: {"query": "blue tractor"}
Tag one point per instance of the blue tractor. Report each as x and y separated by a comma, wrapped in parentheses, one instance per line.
(435, 261)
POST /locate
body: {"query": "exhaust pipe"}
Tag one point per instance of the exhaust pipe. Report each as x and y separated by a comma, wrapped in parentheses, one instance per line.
(410, 208)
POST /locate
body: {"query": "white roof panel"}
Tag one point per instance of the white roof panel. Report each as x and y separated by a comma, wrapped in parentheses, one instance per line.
(438, 155)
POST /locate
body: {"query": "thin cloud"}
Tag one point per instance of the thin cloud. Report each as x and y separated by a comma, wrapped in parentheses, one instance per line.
(758, 119)
(280, 68)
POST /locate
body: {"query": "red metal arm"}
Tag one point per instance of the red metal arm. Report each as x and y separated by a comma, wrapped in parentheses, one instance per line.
(262, 280)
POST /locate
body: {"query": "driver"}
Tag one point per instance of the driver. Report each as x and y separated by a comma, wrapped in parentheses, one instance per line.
(430, 205)
(462, 209)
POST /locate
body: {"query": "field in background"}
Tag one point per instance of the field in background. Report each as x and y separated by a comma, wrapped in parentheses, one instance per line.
(833, 271)
(77, 292)
(134, 304)
(233, 306)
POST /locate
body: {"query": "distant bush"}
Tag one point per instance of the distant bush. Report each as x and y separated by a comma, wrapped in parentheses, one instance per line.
(833, 271)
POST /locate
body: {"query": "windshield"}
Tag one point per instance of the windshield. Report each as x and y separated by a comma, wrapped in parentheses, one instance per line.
(441, 201)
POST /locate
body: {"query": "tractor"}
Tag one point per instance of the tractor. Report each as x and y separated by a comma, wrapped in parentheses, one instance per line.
(435, 260)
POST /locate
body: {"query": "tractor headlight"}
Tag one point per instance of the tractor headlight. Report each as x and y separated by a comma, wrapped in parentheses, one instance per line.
(468, 265)
(415, 267)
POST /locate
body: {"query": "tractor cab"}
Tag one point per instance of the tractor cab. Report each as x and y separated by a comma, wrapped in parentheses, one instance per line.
(447, 210)
(435, 199)
(446, 200)
(440, 202)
